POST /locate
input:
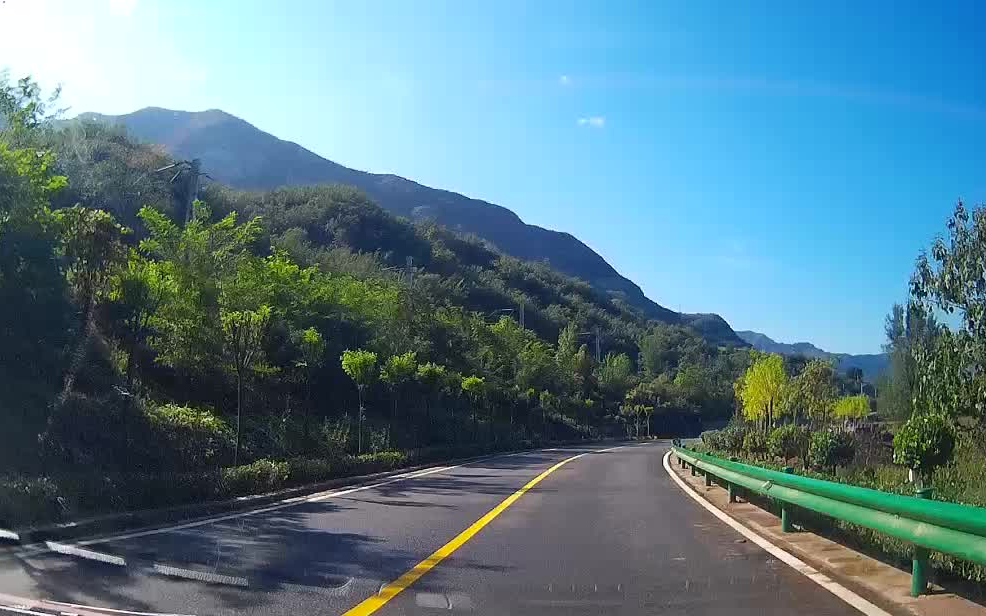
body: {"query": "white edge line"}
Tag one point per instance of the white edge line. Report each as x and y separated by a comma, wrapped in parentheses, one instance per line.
(201, 576)
(786, 557)
(9, 534)
(290, 502)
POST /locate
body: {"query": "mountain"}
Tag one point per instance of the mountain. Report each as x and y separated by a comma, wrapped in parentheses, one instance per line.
(872, 365)
(237, 153)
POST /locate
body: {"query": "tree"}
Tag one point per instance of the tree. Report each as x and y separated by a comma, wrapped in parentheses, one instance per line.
(312, 346)
(855, 376)
(397, 372)
(243, 337)
(136, 294)
(950, 378)
(811, 392)
(761, 388)
(475, 388)
(852, 407)
(361, 367)
(615, 376)
(923, 443)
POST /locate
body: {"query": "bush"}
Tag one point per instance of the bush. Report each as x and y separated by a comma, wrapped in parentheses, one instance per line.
(755, 443)
(732, 438)
(192, 438)
(307, 470)
(379, 462)
(712, 439)
(789, 441)
(924, 442)
(28, 501)
(261, 476)
(830, 448)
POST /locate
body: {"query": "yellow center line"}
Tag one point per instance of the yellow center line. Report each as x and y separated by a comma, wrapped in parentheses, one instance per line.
(391, 590)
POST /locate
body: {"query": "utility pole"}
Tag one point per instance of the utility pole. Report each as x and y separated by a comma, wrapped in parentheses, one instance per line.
(598, 346)
(192, 171)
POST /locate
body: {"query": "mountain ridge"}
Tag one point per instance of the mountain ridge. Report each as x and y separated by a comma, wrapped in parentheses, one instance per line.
(872, 364)
(243, 156)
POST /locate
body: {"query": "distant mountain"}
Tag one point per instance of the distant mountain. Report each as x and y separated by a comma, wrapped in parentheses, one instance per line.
(242, 156)
(872, 365)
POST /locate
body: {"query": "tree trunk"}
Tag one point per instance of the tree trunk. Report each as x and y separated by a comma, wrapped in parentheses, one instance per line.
(79, 355)
(239, 402)
(308, 404)
(359, 423)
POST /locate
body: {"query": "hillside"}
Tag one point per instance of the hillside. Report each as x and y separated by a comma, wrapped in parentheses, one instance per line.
(242, 156)
(872, 365)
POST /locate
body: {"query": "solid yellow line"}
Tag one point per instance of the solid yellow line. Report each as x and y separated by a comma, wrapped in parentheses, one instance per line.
(388, 592)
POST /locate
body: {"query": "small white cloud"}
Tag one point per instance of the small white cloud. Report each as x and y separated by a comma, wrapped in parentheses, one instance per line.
(123, 8)
(593, 121)
(564, 80)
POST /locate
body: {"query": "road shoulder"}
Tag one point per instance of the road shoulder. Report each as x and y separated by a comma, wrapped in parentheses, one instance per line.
(871, 586)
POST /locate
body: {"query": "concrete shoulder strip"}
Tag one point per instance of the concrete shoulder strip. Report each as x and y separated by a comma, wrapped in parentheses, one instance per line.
(784, 556)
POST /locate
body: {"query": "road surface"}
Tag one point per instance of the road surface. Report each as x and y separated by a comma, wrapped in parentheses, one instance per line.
(605, 533)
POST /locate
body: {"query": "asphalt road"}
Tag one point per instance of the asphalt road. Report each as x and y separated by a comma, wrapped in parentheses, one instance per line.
(607, 533)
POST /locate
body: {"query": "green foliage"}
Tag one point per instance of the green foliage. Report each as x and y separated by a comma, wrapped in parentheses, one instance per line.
(761, 388)
(788, 441)
(812, 392)
(360, 366)
(924, 442)
(255, 478)
(726, 440)
(852, 407)
(755, 443)
(192, 438)
(830, 448)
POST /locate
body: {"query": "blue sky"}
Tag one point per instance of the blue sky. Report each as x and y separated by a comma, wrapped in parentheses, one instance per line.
(778, 163)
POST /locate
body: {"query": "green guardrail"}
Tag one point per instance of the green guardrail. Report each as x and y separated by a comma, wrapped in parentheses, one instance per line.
(950, 528)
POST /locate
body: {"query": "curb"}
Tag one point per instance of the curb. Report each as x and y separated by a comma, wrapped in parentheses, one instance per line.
(134, 520)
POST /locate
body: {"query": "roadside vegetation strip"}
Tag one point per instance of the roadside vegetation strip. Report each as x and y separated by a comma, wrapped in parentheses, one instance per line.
(389, 591)
(840, 591)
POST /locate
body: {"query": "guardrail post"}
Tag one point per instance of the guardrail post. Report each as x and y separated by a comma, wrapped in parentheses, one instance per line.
(730, 487)
(787, 525)
(919, 564)
(708, 479)
(694, 473)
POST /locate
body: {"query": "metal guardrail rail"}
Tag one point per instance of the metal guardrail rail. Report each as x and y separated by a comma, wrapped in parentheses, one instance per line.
(950, 528)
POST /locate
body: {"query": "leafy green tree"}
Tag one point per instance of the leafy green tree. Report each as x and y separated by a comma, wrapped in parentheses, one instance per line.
(761, 389)
(615, 375)
(812, 392)
(137, 291)
(361, 367)
(851, 407)
(312, 346)
(397, 372)
(475, 388)
(244, 332)
(923, 443)
(93, 247)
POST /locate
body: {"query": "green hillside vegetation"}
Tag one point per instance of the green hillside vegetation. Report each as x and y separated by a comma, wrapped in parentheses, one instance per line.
(286, 332)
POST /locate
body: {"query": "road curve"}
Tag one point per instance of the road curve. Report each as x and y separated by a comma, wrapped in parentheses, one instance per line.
(606, 533)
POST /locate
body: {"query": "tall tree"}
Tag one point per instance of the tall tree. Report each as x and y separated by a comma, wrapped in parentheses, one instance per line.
(761, 389)
(93, 247)
(361, 367)
(312, 346)
(812, 392)
(397, 372)
(243, 337)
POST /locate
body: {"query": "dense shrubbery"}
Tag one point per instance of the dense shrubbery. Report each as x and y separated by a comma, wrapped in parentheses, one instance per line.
(755, 443)
(924, 442)
(830, 448)
(788, 442)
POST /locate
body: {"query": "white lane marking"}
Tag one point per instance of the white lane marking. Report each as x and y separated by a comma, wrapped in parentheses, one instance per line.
(27, 604)
(9, 534)
(609, 449)
(290, 502)
(784, 556)
(200, 576)
(72, 550)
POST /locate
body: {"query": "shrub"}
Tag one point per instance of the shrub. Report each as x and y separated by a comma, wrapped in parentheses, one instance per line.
(261, 476)
(712, 439)
(28, 501)
(830, 448)
(755, 443)
(732, 438)
(307, 470)
(924, 442)
(789, 441)
(193, 438)
(378, 462)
